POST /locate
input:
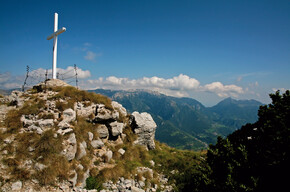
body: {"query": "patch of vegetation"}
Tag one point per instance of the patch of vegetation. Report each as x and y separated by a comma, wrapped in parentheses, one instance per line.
(48, 145)
(12, 121)
(76, 95)
(255, 157)
(58, 168)
(46, 116)
(94, 183)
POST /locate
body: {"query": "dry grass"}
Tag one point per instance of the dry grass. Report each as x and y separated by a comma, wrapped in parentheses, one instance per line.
(25, 140)
(48, 145)
(79, 95)
(57, 169)
(45, 115)
(12, 121)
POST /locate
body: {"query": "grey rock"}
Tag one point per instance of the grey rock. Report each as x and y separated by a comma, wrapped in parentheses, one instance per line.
(16, 99)
(91, 136)
(135, 189)
(116, 128)
(45, 123)
(97, 144)
(39, 166)
(109, 155)
(145, 127)
(84, 111)
(70, 147)
(84, 144)
(121, 151)
(104, 114)
(64, 131)
(141, 184)
(36, 129)
(103, 131)
(63, 125)
(117, 106)
(83, 181)
(82, 151)
(16, 186)
(26, 122)
(69, 115)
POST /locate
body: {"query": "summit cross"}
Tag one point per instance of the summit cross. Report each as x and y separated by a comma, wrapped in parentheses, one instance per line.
(56, 32)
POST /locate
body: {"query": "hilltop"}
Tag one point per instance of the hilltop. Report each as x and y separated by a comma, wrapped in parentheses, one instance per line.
(61, 138)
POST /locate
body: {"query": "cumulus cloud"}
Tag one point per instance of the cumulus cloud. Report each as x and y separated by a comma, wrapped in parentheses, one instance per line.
(179, 86)
(9, 81)
(67, 73)
(224, 90)
(280, 89)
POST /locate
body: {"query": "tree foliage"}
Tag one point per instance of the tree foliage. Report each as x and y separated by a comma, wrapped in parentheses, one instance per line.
(255, 157)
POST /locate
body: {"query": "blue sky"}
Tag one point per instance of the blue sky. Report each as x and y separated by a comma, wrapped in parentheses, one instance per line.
(207, 50)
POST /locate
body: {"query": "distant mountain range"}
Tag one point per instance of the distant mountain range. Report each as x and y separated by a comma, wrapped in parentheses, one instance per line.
(184, 122)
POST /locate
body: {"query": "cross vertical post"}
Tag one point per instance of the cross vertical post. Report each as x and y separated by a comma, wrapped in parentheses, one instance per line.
(56, 32)
(54, 46)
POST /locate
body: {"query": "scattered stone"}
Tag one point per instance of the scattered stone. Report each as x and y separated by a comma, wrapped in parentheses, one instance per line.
(135, 189)
(103, 131)
(104, 114)
(70, 147)
(121, 151)
(69, 115)
(116, 128)
(36, 129)
(45, 123)
(91, 136)
(16, 186)
(117, 106)
(97, 144)
(82, 151)
(39, 166)
(152, 163)
(108, 156)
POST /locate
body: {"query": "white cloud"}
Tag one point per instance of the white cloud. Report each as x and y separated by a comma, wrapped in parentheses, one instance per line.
(224, 90)
(280, 89)
(8, 81)
(179, 86)
(67, 73)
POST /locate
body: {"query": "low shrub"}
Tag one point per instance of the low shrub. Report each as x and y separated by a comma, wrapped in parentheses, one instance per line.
(94, 183)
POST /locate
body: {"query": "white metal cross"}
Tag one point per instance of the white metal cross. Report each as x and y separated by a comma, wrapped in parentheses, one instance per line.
(54, 50)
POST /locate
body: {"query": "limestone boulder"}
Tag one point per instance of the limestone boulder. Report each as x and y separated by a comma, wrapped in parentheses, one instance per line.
(104, 114)
(116, 128)
(82, 151)
(102, 131)
(117, 106)
(144, 126)
(70, 147)
(97, 144)
(69, 115)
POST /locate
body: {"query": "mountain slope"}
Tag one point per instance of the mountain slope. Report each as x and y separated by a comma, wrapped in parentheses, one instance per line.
(185, 122)
(235, 113)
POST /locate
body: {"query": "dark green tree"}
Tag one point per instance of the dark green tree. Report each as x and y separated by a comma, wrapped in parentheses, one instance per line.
(255, 157)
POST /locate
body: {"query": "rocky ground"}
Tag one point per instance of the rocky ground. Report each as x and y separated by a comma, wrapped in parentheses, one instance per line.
(55, 138)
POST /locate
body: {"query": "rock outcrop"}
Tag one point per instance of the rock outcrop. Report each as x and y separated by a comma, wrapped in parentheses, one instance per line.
(144, 126)
(82, 138)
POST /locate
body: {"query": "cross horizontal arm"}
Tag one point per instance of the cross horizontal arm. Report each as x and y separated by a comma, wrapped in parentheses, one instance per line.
(56, 33)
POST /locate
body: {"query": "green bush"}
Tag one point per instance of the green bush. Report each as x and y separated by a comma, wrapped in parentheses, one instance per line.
(94, 183)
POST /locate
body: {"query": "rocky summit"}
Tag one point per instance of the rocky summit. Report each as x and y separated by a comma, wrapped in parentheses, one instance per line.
(55, 137)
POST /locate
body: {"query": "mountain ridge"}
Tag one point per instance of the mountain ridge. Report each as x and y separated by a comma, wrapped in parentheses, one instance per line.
(185, 122)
